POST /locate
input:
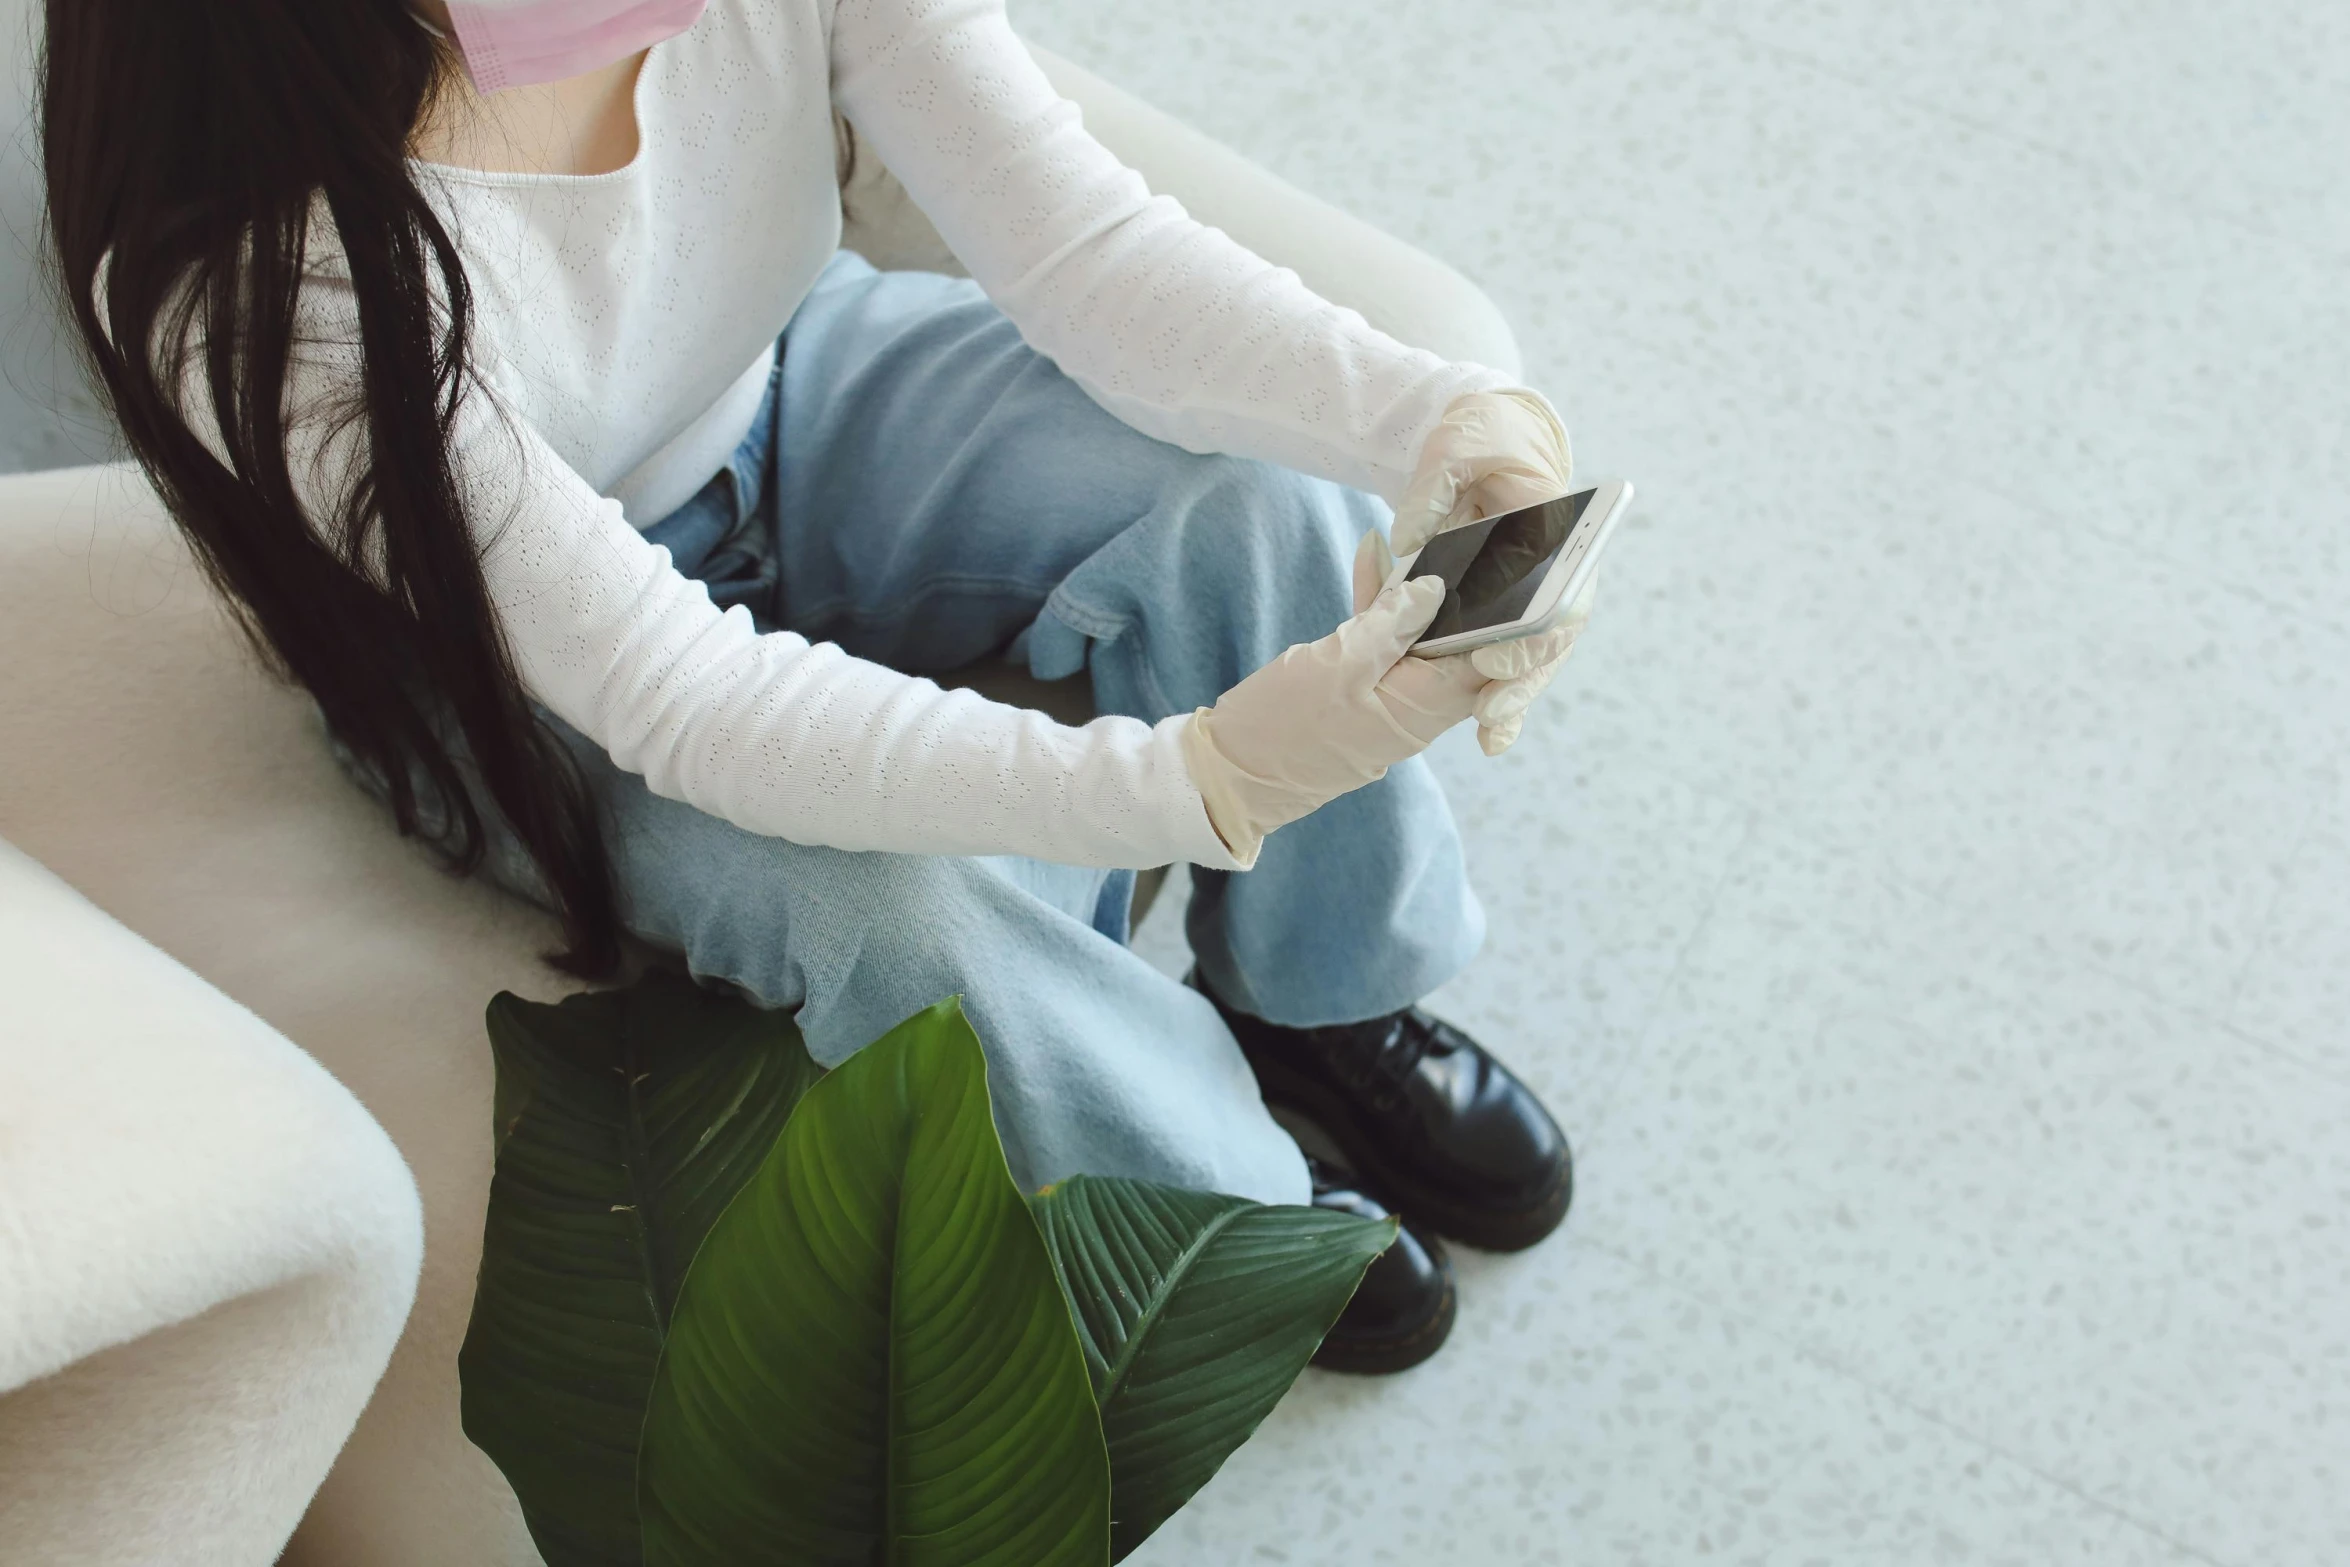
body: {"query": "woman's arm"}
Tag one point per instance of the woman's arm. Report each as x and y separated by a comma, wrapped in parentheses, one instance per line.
(790, 739)
(1169, 324)
(776, 735)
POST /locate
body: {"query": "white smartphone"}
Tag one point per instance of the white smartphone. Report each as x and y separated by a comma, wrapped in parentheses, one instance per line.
(1514, 575)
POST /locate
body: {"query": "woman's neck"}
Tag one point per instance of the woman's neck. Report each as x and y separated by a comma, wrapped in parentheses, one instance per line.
(583, 124)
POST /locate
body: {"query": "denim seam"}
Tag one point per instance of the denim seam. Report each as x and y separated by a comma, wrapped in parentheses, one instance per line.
(1102, 627)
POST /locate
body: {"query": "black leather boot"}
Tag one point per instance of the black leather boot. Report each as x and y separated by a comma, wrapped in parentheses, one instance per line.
(1436, 1126)
(1403, 1310)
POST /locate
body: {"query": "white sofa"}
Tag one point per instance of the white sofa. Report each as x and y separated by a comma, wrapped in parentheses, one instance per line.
(207, 1245)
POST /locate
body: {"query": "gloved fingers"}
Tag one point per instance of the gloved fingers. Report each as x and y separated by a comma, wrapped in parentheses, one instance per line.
(1505, 487)
(1516, 659)
(1430, 695)
(1395, 619)
(1476, 489)
(1557, 451)
(1517, 455)
(1493, 739)
(1433, 497)
(1316, 722)
(1432, 504)
(1510, 660)
(1503, 700)
(1374, 564)
(1492, 452)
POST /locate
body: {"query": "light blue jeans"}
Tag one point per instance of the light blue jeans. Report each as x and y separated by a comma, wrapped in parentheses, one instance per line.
(927, 491)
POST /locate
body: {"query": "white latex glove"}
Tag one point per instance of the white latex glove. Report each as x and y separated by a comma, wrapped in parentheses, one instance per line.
(1520, 671)
(1493, 452)
(1327, 717)
(1516, 672)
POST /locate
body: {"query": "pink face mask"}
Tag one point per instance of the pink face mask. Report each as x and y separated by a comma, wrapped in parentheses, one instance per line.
(518, 43)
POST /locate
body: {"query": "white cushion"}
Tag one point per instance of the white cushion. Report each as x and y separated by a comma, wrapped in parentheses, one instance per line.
(208, 1253)
(146, 760)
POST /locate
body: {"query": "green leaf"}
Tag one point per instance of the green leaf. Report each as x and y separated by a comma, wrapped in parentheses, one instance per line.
(626, 1121)
(872, 1361)
(1197, 1313)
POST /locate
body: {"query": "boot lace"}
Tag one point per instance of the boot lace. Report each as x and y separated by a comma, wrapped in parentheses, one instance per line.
(1381, 1057)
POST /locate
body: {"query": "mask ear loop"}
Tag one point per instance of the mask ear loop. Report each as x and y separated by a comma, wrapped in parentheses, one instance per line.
(418, 18)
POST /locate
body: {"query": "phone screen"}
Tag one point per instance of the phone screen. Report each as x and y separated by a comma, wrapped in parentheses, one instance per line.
(1492, 569)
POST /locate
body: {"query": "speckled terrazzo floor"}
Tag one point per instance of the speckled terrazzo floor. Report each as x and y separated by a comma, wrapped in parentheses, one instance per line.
(1929, 904)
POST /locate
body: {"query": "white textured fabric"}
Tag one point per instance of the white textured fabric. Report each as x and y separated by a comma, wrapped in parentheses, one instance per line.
(625, 322)
(147, 759)
(208, 1255)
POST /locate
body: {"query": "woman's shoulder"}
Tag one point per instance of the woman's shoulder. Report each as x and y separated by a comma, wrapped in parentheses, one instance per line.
(744, 41)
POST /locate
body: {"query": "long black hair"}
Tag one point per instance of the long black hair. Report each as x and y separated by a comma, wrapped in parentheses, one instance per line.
(188, 145)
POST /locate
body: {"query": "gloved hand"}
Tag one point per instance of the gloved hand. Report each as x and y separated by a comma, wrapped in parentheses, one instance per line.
(1493, 452)
(1327, 717)
(1520, 671)
(1517, 672)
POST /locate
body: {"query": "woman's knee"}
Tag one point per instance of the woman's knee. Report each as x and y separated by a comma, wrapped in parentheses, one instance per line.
(1235, 561)
(1274, 524)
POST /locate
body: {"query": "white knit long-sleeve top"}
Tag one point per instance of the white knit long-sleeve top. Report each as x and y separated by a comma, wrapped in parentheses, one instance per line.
(624, 334)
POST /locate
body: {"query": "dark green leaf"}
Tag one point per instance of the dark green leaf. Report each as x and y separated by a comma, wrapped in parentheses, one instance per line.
(872, 1360)
(625, 1123)
(1197, 1313)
